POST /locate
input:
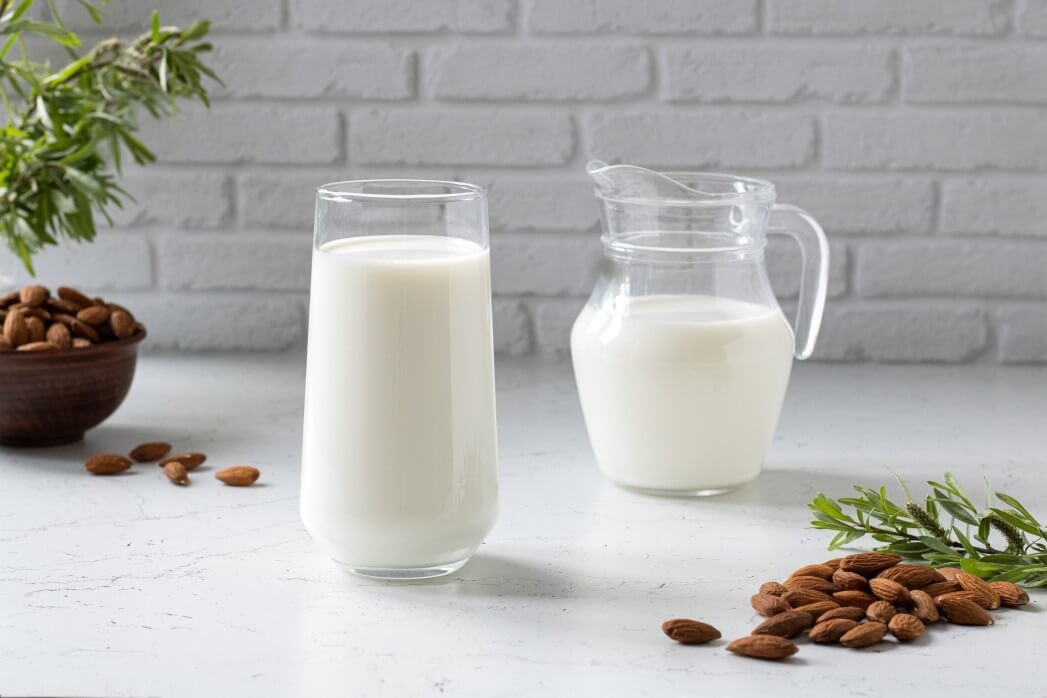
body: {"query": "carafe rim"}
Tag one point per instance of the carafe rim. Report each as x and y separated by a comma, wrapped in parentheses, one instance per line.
(755, 191)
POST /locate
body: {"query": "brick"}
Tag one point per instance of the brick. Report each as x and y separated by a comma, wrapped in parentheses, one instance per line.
(706, 139)
(755, 73)
(976, 73)
(784, 267)
(1022, 334)
(699, 17)
(539, 72)
(902, 332)
(1008, 206)
(841, 17)
(1032, 18)
(191, 200)
(246, 133)
(453, 137)
(553, 319)
(882, 205)
(202, 322)
(512, 327)
(544, 265)
(113, 261)
(935, 140)
(257, 68)
(240, 262)
(542, 203)
(952, 268)
(129, 15)
(278, 199)
(402, 16)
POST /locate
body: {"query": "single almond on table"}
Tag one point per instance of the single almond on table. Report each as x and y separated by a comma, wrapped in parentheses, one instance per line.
(890, 590)
(815, 610)
(882, 611)
(801, 597)
(176, 473)
(823, 571)
(864, 635)
(74, 296)
(107, 464)
(38, 346)
(788, 624)
(809, 583)
(189, 459)
(1010, 594)
(93, 314)
(923, 606)
(962, 611)
(912, 576)
(849, 581)
(868, 564)
(978, 585)
(856, 598)
(905, 627)
(939, 588)
(763, 647)
(829, 631)
(243, 475)
(59, 335)
(690, 632)
(772, 588)
(33, 295)
(768, 605)
(149, 451)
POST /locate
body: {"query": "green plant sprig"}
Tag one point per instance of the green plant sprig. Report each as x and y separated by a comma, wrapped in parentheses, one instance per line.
(1001, 541)
(60, 150)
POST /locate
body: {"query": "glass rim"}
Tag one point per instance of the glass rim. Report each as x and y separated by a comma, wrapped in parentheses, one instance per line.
(350, 190)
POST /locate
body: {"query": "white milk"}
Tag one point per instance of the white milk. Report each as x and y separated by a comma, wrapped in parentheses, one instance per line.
(681, 392)
(399, 452)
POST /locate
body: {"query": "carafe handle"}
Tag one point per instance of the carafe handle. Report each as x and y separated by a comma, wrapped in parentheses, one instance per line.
(814, 277)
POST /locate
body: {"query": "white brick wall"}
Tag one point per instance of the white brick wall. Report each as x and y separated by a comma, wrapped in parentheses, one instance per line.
(915, 130)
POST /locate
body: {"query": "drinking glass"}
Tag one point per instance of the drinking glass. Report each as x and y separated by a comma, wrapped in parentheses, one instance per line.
(399, 462)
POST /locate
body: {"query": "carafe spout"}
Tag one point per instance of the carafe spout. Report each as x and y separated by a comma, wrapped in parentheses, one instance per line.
(632, 182)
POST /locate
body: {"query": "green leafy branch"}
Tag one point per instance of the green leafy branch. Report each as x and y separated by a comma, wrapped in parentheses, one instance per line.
(66, 130)
(1001, 540)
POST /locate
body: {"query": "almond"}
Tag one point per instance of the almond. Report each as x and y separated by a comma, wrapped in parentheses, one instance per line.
(38, 346)
(864, 635)
(61, 305)
(828, 631)
(122, 324)
(905, 627)
(939, 588)
(15, 331)
(768, 605)
(81, 343)
(243, 475)
(4, 344)
(978, 599)
(772, 588)
(763, 647)
(858, 599)
(9, 299)
(106, 464)
(176, 473)
(189, 459)
(823, 571)
(882, 611)
(949, 572)
(74, 297)
(809, 583)
(33, 295)
(962, 611)
(683, 630)
(35, 330)
(815, 610)
(868, 564)
(1010, 594)
(801, 597)
(848, 612)
(833, 564)
(67, 320)
(912, 576)
(978, 585)
(846, 581)
(149, 451)
(788, 624)
(59, 335)
(890, 590)
(923, 606)
(93, 315)
(82, 329)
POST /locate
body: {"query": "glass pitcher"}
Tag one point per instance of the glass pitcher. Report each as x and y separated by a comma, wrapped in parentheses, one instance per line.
(682, 354)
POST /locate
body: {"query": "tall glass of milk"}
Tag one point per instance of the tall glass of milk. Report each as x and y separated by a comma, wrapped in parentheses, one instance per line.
(399, 450)
(682, 354)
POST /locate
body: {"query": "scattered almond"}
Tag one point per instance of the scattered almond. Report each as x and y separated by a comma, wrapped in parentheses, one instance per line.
(848, 612)
(243, 475)
(849, 581)
(788, 624)
(912, 576)
(772, 588)
(858, 599)
(978, 585)
(868, 564)
(882, 611)
(822, 571)
(176, 473)
(106, 464)
(809, 583)
(905, 627)
(829, 631)
(963, 611)
(683, 630)
(802, 597)
(923, 606)
(815, 610)
(81, 343)
(939, 588)
(188, 459)
(977, 598)
(833, 564)
(149, 451)
(1010, 594)
(864, 635)
(82, 329)
(890, 590)
(764, 604)
(763, 647)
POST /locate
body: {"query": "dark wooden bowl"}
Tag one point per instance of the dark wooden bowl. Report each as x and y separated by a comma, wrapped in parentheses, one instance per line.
(49, 398)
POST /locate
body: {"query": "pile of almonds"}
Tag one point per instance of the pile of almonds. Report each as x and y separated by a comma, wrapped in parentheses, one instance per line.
(855, 601)
(35, 320)
(176, 467)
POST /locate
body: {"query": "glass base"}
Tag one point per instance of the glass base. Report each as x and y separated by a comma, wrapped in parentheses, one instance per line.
(711, 492)
(404, 574)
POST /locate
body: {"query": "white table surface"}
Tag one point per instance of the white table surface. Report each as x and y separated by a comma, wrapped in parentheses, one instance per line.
(129, 586)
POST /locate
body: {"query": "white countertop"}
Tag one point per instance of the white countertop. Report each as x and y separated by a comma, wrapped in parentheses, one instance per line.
(129, 586)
